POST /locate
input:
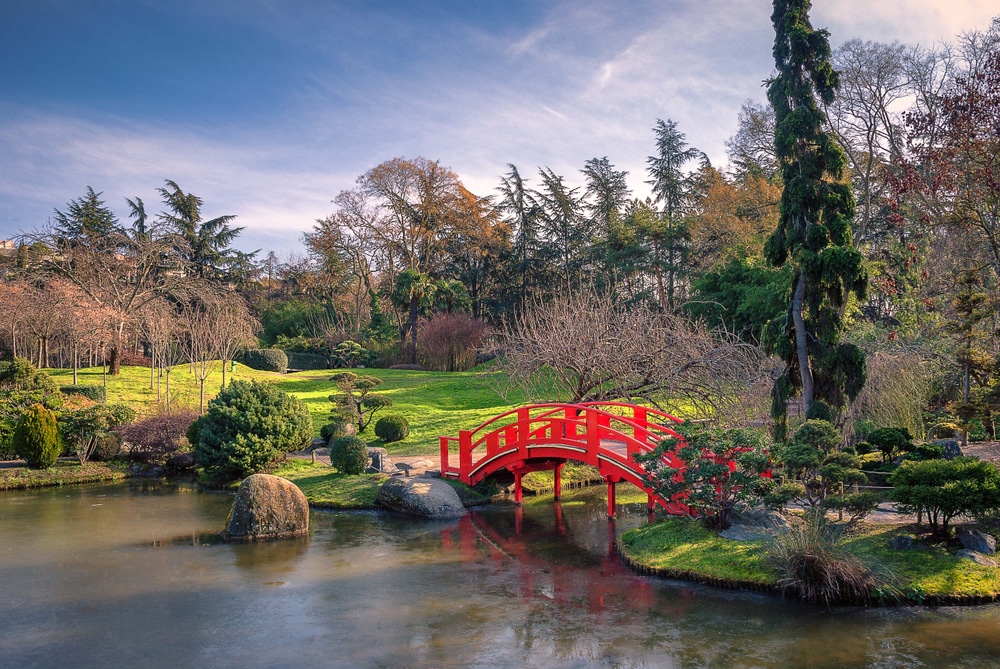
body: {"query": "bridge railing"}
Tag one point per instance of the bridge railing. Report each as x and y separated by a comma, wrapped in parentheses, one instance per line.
(581, 426)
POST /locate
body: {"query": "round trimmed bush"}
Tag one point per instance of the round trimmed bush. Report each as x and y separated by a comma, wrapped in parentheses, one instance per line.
(349, 455)
(248, 428)
(36, 437)
(392, 428)
(108, 446)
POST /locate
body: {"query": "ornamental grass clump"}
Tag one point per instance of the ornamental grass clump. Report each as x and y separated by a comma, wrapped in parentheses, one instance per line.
(811, 562)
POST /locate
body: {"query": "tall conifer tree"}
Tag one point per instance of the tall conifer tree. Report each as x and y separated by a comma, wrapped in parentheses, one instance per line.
(814, 231)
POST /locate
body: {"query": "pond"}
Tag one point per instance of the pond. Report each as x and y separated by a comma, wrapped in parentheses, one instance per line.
(131, 575)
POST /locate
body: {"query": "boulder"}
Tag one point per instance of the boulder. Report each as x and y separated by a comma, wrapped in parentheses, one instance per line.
(902, 542)
(951, 448)
(381, 463)
(431, 498)
(762, 518)
(978, 558)
(180, 462)
(267, 507)
(755, 524)
(977, 541)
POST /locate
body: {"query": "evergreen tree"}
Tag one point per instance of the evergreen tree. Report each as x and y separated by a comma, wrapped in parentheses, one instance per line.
(670, 190)
(87, 220)
(814, 230)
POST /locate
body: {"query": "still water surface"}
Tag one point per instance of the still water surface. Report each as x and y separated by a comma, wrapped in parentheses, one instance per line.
(127, 575)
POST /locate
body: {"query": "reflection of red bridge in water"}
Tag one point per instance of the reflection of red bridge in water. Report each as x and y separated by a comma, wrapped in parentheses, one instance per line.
(604, 583)
(541, 437)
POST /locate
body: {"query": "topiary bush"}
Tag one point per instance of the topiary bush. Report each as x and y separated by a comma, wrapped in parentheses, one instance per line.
(891, 441)
(95, 393)
(940, 490)
(36, 437)
(349, 455)
(106, 447)
(249, 427)
(266, 359)
(393, 427)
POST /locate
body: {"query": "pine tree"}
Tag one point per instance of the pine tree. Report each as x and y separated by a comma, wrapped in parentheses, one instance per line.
(814, 231)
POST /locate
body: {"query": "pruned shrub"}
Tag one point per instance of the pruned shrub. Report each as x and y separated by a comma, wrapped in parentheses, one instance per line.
(84, 428)
(249, 427)
(107, 446)
(393, 427)
(266, 359)
(349, 455)
(943, 489)
(307, 360)
(95, 393)
(153, 440)
(448, 342)
(891, 441)
(36, 437)
(811, 563)
(857, 505)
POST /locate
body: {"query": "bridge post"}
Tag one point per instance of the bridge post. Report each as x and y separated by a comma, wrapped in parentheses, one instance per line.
(612, 507)
(465, 455)
(518, 492)
(444, 456)
(639, 414)
(557, 480)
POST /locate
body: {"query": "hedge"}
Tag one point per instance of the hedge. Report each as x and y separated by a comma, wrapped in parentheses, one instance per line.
(307, 361)
(266, 359)
(96, 393)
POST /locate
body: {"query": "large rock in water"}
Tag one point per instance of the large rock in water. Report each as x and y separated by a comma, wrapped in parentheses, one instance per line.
(267, 507)
(431, 498)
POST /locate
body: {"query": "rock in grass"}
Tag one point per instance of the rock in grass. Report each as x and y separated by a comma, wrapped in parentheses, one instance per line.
(977, 541)
(267, 507)
(431, 498)
(978, 558)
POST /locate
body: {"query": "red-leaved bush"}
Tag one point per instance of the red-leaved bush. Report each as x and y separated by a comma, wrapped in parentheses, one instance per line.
(448, 342)
(154, 439)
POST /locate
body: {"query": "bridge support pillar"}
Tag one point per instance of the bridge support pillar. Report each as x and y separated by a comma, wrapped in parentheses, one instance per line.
(612, 507)
(518, 492)
(557, 480)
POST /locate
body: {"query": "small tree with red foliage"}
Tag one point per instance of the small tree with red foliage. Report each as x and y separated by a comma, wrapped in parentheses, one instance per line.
(448, 341)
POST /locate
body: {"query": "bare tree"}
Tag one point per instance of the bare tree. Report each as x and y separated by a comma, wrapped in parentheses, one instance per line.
(591, 348)
(234, 329)
(15, 296)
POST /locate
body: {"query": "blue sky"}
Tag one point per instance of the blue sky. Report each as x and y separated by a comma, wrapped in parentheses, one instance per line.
(267, 108)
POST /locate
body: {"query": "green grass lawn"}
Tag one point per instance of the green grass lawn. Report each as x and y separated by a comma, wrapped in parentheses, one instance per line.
(434, 403)
(325, 487)
(684, 548)
(62, 473)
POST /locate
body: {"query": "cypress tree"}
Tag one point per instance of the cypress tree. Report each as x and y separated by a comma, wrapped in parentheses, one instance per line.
(814, 231)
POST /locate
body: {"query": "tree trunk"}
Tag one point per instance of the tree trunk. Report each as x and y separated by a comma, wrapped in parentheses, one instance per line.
(168, 391)
(76, 361)
(411, 324)
(801, 343)
(201, 396)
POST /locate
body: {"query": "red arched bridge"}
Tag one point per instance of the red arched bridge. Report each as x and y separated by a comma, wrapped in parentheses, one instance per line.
(540, 437)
